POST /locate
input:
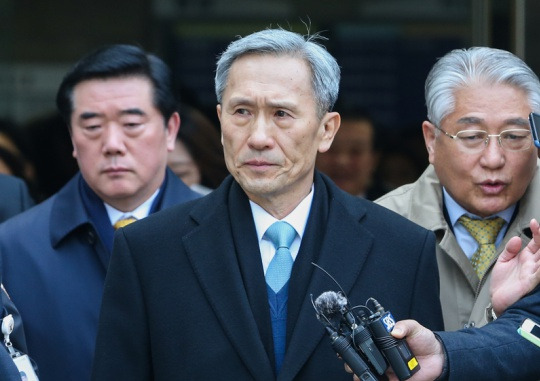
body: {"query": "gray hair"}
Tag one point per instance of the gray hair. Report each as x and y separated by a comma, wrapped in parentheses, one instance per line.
(324, 68)
(466, 67)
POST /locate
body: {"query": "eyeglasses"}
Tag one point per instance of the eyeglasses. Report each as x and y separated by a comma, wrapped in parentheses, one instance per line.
(474, 141)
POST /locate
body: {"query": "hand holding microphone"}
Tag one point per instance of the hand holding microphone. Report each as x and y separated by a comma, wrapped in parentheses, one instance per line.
(364, 340)
(425, 345)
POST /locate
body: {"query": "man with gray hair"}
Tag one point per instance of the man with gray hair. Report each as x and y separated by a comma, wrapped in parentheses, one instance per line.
(479, 192)
(483, 177)
(220, 288)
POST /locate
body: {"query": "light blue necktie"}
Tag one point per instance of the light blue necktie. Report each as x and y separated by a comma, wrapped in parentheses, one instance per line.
(279, 270)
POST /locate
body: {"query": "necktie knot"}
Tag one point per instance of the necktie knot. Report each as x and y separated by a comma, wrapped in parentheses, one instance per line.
(485, 233)
(123, 222)
(281, 234)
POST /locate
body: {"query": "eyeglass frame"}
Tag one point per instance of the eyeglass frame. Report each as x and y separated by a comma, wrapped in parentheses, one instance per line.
(488, 137)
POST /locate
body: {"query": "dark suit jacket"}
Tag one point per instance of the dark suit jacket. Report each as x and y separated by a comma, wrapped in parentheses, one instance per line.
(185, 296)
(8, 369)
(54, 268)
(15, 197)
(496, 351)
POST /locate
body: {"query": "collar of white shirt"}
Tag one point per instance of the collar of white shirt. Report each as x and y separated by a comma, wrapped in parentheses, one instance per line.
(139, 212)
(297, 218)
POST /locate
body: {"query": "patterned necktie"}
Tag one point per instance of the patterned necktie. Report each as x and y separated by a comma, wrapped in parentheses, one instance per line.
(279, 270)
(123, 222)
(485, 233)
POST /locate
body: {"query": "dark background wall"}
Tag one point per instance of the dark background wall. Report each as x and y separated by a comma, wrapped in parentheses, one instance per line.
(385, 49)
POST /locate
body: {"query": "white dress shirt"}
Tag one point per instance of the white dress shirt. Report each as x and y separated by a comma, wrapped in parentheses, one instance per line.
(297, 219)
(139, 212)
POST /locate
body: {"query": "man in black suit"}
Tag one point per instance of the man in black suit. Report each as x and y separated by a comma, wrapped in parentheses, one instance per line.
(186, 296)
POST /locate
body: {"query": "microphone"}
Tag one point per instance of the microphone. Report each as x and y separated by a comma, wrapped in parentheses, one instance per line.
(332, 304)
(359, 336)
(342, 345)
(330, 307)
(398, 353)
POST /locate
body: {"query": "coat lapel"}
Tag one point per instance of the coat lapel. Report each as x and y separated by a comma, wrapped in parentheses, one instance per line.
(213, 254)
(341, 251)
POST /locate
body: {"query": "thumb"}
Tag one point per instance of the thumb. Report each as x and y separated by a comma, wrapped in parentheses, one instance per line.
(511, 249)
(403, 328)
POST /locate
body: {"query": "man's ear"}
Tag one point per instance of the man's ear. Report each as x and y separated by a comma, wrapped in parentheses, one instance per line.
(218, 110)
(173, 125)
(430, 137)
(330, 126)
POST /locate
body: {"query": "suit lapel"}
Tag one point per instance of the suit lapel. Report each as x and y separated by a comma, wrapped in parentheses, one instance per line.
(249, 257)
(341, 251)
(212, 252)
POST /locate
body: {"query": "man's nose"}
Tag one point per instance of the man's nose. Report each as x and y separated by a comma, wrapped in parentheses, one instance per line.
(493, 155)
(113, 140)
(260, 135)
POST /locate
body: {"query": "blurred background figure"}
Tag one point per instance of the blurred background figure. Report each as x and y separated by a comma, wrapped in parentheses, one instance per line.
(51, 152)
(403, 157)
(353, 157)
(197, 157)
(14, 155)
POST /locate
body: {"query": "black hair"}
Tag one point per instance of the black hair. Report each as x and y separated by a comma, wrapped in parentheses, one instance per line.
(117, 61)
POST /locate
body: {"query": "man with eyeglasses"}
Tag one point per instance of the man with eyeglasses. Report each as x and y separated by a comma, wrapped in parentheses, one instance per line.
(480, 190)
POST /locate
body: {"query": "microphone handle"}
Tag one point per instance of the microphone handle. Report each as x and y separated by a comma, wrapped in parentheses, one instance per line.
(397, 352)
(342, 346)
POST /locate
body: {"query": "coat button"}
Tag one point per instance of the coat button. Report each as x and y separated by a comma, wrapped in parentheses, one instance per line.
(91, 237)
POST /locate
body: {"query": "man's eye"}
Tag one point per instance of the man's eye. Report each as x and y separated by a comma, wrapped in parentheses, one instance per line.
(472, 136)
(281, 113)
(241, 111)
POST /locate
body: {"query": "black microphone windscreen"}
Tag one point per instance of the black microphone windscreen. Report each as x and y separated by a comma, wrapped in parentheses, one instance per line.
(330, 304)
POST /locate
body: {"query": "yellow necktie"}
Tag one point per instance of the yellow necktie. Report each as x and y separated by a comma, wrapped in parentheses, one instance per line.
(123, 222)
(485, 233)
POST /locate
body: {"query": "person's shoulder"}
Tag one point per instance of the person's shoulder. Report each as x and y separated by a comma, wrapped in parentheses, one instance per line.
(398, 220)
(376, 216)
(11, 181)
(15, 197)
(180, 214)
(397, 199)
(405, 198)
(67, 198)
(29, 219)
(177, 190)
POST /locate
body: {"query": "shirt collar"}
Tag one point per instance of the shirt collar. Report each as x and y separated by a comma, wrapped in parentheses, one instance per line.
(139, 212)
(297, 218)
(455, 210)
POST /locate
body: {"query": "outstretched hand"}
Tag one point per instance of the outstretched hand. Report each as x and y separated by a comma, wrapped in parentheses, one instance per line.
(516, 273)
(425, 346)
